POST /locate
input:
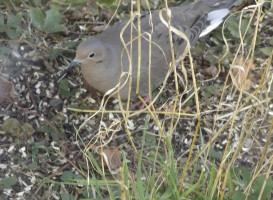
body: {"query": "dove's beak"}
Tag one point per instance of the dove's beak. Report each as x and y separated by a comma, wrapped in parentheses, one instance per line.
(73, 63)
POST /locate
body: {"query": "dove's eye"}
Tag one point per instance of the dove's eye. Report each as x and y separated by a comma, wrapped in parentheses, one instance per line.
(91, 55)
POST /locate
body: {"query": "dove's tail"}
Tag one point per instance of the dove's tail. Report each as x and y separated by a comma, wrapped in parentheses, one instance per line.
(220, 9)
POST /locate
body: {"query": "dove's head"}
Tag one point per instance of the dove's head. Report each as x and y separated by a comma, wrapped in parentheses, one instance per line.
(91, 52)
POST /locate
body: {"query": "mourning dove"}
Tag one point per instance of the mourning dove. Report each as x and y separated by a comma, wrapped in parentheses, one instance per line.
(103, 59)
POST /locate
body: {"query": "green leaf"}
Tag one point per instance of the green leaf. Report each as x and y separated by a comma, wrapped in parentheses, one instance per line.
(33, 165)
(108, 2)
(81, 3)
(4, 50)
(39, 150)
(37, 3)
(78, 176)
(233, 26)
(12, 126)
(13, 33)
(12, 27)
(3, 26)
(14, 20)
(8, 182)
(67, 176)
(271, 41)
(267, 51)
(66, 196)
(215, 154)
(238, 195)
(166, 195)
(64, 89)
(257, 188)
(71, 45)
(211, 54)
(94, 9)
(53, 53)
(27, 129)
(241, 175)
(52, 21)
(37, 18)
(212, 176)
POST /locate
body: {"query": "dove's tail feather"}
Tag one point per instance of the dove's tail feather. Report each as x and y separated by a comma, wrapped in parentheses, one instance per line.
(220, 10)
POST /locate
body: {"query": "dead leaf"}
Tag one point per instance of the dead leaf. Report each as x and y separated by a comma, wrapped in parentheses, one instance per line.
(211, 71)
(186, 109)
(49, 65)
(169, 107)
(6, 91)
(240, 74)
(77, 14)
(111, 156)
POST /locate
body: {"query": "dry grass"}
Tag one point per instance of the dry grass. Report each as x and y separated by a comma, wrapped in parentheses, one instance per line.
(243, 102)
(219, 147)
